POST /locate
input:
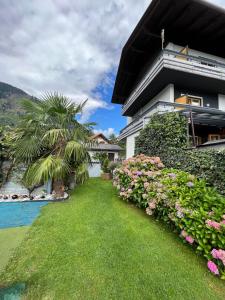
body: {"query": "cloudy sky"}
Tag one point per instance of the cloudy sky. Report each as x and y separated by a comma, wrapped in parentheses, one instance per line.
(72, 47)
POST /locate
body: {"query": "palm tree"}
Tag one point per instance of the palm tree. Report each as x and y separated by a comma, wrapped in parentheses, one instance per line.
(52, 143)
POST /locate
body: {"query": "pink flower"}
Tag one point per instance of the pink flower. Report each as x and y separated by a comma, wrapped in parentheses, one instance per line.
(172, 175)
(146, 184)
(190, 184)
(184, 233)
(219, 254)
(213, 267)
(213, 224)
(160, 165)
(223, 217)
(149, 211)
(152, 205)
(214, 253)
(138, 173)
(223, 222)
(189, 239)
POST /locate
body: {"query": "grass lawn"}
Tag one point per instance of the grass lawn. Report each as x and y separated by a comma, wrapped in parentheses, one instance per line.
(95, 246)
(9, 240)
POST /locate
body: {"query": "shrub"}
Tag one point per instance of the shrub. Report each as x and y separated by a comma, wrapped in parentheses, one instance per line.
(164, 132)
(113, 165)
(188, 204)
(166, 136)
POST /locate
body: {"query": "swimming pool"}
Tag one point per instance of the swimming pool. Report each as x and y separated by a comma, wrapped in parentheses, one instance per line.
(19, 213)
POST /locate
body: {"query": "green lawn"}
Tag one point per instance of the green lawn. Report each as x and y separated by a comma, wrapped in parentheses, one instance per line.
(9, 240)
(96, 246)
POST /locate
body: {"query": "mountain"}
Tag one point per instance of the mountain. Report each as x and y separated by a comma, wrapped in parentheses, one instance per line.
(10, 99)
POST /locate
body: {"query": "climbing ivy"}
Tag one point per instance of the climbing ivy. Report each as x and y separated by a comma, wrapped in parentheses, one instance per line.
(166, 136)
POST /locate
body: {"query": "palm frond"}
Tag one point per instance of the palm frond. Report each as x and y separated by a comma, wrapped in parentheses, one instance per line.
(27, 148)
(52, 136)
(81, 174)
(44, 169)
(74, 151)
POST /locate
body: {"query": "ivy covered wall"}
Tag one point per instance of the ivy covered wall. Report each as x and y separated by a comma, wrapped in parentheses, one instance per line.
(166, 136)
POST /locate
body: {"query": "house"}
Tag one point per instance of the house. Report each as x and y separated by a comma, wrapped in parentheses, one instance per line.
(102, 144)
(174, 61)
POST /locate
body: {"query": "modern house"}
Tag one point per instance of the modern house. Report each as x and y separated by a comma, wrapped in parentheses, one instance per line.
(102, 144)
(174, 61)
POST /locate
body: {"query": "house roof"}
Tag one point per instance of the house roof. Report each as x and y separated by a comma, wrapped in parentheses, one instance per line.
(106, 147)
(95, 136)
(195, 23)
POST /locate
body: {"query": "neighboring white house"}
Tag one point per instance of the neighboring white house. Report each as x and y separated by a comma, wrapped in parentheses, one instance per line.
(102, 144)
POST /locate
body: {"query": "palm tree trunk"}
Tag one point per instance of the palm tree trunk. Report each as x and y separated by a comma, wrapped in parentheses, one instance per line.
(58, 188)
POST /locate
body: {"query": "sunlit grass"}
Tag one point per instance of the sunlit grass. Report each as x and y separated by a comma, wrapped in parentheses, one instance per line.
(10, 238)
(95, 246)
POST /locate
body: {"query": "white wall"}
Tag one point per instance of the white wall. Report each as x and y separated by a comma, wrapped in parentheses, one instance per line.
(129, 120)
(167, 95)
(130, 145)
(221, 102)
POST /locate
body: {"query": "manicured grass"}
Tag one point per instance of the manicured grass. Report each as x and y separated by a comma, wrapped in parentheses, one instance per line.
(96, 246)
(9, 240)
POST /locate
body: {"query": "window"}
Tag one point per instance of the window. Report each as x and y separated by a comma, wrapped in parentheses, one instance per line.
(111, 156)
(190, 100)
(214, 137)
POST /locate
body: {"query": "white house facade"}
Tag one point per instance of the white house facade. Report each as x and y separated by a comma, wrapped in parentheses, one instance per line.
(182, 70)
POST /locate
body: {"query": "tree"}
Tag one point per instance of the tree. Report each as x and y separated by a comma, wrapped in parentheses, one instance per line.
(52, 143)
(113, 139)
(7, 135)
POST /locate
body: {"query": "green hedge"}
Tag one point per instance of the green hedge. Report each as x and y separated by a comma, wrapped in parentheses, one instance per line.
(166, 136)
(195, 210)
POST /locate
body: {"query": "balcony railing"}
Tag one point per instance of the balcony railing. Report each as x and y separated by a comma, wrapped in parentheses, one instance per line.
(177, 61)
(201, 115)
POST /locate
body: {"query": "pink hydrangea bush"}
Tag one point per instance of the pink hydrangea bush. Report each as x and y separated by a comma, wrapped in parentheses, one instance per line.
(195, 210)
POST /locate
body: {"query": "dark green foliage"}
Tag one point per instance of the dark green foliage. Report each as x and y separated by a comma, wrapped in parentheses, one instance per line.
(206, 164)
(166, 136)
(164, 133)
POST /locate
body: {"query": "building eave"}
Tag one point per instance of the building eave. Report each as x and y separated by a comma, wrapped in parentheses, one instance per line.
(196, 23)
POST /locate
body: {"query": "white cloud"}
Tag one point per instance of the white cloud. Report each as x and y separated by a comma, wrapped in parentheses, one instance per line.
(65, 46)
(106, 132)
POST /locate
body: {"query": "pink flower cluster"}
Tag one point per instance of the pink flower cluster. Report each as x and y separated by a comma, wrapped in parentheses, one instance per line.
(214, 224)
(213, 267)
(143, 160)
(219, 254)
(187, 237)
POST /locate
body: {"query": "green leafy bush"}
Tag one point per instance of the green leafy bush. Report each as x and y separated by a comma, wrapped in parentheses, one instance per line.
(181, 200)
(166, 136)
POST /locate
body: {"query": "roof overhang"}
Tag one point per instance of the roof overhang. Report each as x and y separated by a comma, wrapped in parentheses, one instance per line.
(178, 78)
(195, 23)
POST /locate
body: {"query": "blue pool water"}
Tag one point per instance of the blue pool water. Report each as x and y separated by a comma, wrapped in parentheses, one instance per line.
(19, 213)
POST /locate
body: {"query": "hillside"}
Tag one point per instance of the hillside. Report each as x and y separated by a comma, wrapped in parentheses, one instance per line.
(10, 99)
